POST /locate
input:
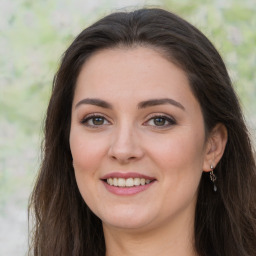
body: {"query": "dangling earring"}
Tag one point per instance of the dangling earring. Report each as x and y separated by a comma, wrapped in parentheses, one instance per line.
(213, 178)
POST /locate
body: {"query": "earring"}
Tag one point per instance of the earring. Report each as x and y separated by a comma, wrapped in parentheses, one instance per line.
(213, 178)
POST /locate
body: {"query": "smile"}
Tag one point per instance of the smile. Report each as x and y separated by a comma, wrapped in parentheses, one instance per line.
(130, 182)
(127, 183)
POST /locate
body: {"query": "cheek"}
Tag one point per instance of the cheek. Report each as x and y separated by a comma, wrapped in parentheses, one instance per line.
(87, 156)
(180, 157)
(87, 151)
(181, 162)
(178, 151)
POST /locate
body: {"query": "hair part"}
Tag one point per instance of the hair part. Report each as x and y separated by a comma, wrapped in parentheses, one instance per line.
(225, 221)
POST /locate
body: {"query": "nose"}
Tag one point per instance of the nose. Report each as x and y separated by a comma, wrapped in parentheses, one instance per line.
(125, 145)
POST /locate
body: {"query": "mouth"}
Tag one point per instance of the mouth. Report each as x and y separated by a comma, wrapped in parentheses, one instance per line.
(120, 183)
(129, 182)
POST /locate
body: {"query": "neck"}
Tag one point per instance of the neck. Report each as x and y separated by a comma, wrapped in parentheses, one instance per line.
(174, 238)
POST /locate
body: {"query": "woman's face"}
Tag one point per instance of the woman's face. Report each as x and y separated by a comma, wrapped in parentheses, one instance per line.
(137, 139)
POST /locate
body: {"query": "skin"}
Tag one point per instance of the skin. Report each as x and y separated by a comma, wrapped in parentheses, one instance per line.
(129, 138)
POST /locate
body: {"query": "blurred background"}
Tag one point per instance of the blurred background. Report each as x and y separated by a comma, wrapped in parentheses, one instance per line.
(33, 36)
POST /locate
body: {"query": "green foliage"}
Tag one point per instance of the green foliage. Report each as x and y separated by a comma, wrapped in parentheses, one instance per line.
(33, 36)
(230, 25)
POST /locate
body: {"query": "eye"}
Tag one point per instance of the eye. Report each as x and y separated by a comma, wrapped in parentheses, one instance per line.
(160, 121)
(95, 121)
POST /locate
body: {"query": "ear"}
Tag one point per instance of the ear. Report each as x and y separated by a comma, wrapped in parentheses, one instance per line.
(215, 146)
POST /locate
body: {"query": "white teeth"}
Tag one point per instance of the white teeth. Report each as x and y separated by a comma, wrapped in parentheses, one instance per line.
(136, 181)
(115, 182)
(121, 182)
(110, 181)
(130, 182)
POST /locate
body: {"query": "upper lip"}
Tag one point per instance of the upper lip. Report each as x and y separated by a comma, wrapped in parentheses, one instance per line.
(126, 175)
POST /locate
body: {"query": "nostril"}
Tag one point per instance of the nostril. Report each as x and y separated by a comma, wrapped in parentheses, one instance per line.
(123, 159)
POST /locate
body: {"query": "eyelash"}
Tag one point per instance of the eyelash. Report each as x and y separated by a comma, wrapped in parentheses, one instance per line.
(167, 119)
(85, 121)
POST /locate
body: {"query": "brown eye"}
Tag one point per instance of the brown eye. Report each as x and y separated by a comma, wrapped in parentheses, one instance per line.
(95, 121)
(159, 121)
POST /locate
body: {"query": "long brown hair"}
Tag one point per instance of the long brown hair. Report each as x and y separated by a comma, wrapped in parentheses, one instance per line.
(225, 222)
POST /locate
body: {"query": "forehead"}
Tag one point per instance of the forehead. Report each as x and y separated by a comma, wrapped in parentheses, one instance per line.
(131, 70)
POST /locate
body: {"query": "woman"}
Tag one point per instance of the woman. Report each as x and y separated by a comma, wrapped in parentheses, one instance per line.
(146, 151)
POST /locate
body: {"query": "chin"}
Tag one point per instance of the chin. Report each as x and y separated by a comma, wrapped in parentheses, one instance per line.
(127, 219)
(126, 224)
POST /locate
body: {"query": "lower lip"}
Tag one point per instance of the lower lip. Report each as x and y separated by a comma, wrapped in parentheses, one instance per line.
(126, 191)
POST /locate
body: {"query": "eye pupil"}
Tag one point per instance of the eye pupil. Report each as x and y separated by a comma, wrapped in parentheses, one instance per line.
(159, 121)
(98, 120)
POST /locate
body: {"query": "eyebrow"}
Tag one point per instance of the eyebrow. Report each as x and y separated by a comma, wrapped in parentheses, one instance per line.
(156, 102)
(95, 102)
(143, 104)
